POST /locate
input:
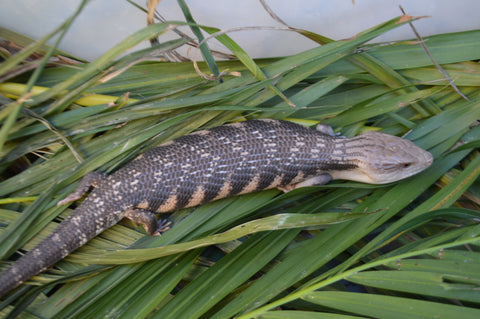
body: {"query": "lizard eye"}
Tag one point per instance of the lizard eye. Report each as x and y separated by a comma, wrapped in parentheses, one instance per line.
(405, 165)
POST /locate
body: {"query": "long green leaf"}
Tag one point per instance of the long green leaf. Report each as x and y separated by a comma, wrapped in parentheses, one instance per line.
(389, 307)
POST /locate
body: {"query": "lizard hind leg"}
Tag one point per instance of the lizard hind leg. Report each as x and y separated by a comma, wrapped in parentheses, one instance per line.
(149, 221)
(91, 179)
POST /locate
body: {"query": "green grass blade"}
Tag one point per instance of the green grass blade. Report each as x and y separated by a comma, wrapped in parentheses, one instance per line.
(426, 283)
(388, 307)
(207, 55)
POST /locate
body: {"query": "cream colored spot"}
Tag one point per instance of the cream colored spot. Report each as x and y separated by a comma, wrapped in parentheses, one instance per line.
(299, 178)
(293, 184)
(197, 197)
(252, 186)
(224, 191)
(276, 182)
(169, 205)
(144, 205)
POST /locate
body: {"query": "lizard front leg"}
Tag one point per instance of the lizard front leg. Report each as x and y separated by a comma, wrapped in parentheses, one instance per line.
(316, 180)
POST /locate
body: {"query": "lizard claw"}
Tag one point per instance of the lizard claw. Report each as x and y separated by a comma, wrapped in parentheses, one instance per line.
(163, 226)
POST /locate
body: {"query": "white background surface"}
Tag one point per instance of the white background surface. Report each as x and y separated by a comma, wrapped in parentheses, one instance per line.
(104, 23)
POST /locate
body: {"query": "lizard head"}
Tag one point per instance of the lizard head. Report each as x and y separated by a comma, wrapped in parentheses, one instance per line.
(381, 158)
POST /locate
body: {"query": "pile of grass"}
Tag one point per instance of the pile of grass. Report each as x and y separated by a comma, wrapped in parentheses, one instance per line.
(408, 249)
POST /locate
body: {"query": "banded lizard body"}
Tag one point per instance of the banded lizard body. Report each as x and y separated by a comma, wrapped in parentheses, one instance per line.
(207, 165)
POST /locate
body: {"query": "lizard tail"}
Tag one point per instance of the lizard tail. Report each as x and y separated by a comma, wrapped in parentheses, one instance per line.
(71, 234)
(29, 265)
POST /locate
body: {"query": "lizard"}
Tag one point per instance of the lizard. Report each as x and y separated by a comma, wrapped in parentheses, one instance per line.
(211, 164)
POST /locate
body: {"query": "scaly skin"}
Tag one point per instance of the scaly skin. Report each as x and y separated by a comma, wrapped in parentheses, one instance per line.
(208, 165)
